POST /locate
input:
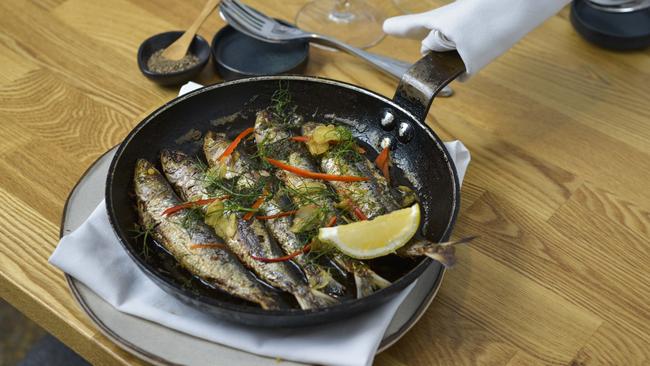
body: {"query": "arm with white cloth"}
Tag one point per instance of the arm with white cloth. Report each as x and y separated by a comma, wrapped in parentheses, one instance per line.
(480, 30)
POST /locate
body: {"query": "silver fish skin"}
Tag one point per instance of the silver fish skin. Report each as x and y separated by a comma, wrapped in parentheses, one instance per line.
(317, 276)
(269, 132)
(250, 238)
(178, 232)
(214, 146)
(374, 197)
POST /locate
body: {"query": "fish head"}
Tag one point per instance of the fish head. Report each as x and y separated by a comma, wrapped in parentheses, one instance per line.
(148, 180)
(173, 161)
(268, 129)
(232, 166)
(214, 144)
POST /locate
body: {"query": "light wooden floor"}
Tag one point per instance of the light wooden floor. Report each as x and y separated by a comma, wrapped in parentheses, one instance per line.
(18, 335)
(558, 188)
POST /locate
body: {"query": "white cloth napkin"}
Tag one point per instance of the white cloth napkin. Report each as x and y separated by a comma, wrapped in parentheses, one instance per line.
(480, 30)
(93, 255)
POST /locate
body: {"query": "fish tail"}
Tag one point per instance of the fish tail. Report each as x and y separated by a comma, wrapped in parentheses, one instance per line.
(309, 298)
(334, 287)
(445, 253)
(320, 279)
(269, 303)
(368, 281)
(266, 299)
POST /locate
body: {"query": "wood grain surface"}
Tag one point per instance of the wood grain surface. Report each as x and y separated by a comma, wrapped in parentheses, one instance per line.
(558, 188)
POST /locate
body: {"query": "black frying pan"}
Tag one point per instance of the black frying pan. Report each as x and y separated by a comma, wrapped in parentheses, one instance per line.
(420, 157)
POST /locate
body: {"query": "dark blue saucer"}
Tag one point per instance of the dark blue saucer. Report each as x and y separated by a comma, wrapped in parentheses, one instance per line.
(237, 55)
(617, 31)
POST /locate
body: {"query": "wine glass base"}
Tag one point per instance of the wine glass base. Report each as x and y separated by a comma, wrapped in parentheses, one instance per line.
(355, 23)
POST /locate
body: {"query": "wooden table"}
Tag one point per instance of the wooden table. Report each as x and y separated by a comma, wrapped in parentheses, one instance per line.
(558, 188)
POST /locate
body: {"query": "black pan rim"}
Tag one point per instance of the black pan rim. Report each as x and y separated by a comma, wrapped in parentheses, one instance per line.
(342, 308)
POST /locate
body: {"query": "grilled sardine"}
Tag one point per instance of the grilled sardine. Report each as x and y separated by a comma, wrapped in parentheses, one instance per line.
(191, 242)
(249, 239)
(241, 165)
(374, 197)
(274, 137)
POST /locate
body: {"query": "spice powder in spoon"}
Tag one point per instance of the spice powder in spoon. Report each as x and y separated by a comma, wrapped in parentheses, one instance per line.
(158, 63)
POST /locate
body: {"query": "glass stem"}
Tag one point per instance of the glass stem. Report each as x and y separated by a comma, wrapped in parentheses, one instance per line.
(341, 5)
(340, 13)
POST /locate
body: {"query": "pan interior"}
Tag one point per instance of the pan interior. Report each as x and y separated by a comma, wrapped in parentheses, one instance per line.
(230, 107)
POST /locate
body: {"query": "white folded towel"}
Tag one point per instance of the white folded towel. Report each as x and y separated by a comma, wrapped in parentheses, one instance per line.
(480, 30)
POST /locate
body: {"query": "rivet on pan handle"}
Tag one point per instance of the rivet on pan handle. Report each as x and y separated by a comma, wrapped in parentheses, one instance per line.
(421, 83)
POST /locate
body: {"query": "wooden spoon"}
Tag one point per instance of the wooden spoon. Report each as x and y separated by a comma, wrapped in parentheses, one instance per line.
(178, 49)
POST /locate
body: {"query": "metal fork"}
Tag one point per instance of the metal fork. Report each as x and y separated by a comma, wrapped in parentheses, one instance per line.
(257, 25)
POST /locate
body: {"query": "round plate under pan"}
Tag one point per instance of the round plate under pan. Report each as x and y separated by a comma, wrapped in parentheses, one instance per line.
(163, 346)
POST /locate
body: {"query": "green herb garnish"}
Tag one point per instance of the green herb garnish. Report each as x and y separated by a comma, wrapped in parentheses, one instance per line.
(144, 232)
(283, 108)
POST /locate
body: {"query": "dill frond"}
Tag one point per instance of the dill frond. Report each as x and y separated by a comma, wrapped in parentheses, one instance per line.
(200, 164)
(283, 109)
(191, 217)
(346, 148)
(145, 232)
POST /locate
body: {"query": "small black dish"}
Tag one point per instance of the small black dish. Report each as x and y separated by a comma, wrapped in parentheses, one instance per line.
(199, 47)
(615, 31)
(237, 55)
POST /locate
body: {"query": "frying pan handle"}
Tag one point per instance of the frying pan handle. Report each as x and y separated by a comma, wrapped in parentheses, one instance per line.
(422, 82)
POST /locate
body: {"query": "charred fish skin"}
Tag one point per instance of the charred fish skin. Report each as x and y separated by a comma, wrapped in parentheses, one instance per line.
(215, 265)
(249, 239)
(269, 132)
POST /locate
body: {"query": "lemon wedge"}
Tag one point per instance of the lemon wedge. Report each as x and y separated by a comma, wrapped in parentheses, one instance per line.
(374, 238)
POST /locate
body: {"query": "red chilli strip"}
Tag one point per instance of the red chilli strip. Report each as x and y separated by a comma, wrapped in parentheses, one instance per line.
(278, 215)
(304, 250)
(331, 222)
(382, 162)
(300, 138)
(190, 204)
(235, 142)
(256, 205)
(383, 157)
(359, 214)
(385, 171)
(313, 175)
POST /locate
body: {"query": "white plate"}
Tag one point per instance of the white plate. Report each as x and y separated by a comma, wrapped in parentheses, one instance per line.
(163, 346)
